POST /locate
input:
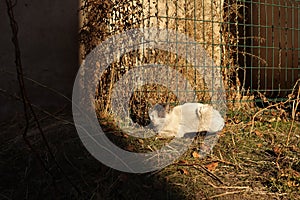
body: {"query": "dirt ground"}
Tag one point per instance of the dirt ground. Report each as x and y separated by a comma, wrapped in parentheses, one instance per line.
(248, 162)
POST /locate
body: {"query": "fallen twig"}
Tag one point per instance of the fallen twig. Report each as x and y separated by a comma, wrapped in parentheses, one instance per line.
(228, 187)
(197, 166)
(227, 193)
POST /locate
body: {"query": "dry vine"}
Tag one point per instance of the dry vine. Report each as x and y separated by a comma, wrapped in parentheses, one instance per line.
(27, 106)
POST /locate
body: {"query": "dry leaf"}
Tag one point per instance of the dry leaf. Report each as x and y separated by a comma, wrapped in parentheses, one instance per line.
(237, 121)
(195, 154)
(141, 141)
(259, 145)
(292, 184)
(212, 166)
(182, 162)
(183, 171)
(277, 149)
(130, 148)
(98, 64)
(104, 123)
(272, 120)
(249, 123)
(295, 173)
(258, 133)
(294, 148)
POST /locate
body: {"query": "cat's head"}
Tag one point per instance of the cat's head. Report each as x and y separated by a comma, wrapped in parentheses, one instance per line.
(157, 116)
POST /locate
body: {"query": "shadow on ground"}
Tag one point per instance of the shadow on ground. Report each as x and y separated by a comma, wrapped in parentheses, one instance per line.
(22, 176)
(259, 164)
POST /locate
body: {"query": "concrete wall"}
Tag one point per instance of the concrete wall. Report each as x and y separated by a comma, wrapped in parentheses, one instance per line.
(48, 40)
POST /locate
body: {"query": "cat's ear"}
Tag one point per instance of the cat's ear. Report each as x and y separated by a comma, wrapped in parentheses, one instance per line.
(202, 110)
(154, 112)
(153, 115)
(158, 110)
(217, 121)
(211, 120)
(167, 108)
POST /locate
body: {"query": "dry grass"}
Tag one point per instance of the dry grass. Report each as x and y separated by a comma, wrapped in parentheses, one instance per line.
(257, 153)
(203, 23)
(100, 20)
(256, 157)
(244, 164)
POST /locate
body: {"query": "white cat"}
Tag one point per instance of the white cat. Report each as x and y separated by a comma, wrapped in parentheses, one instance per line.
(185, 120)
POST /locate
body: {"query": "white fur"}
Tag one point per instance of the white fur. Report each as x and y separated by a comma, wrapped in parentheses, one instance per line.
(186, 119)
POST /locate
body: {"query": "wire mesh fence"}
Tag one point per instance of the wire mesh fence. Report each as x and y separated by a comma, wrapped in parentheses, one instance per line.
(255, 44)
(267, 46)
